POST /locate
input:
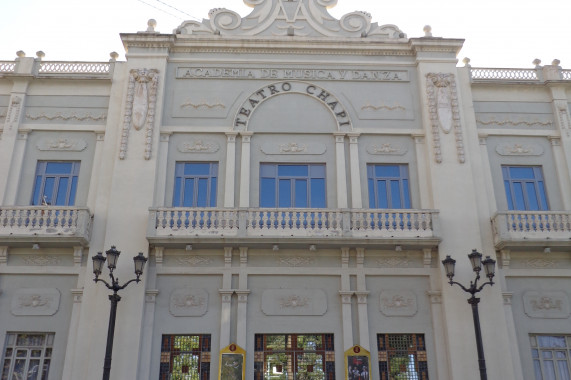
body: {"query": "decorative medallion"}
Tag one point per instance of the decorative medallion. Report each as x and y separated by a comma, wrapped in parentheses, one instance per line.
(519, 149)
(188, 302)
(294, 302)
(398, 303)
(386, 149)
(62, 143)
(140, 107)
(198, 146)
(546, 304)
(42, 301)
(293, 148)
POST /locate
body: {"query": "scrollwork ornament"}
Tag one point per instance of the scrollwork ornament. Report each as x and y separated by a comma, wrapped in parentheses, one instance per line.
(356, 22)
(327, 3)
(224, 19)
(253, 3)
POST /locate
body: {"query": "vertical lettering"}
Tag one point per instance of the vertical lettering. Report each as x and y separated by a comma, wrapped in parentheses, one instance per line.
(239, 122)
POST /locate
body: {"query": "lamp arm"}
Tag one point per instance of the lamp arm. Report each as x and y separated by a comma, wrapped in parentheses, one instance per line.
(97, 279)
(484, 284)
(128, 282)
(460, 285)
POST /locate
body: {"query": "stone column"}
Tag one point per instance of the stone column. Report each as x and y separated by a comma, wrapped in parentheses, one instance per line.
(563, 173)
(423, 172)
(346, 295)
(439, 331)
(96, 171)
(507, 296)
(70, 351)
(147, 334)
(13, 180)
(245, 170)
(341, 170)
(356, 195)
(362, 295)
(488, 179)
(226, 295)
(230, 170)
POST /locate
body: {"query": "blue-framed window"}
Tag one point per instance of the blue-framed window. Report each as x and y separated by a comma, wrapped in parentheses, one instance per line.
(388, 186)
(525, 188)
(55, 183)
(292, 185)
(195, 184)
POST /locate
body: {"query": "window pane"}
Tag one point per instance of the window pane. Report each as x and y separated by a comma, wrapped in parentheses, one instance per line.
(387, 171)
(213, 183)
(49, 189)
(59, 168)
(549, 370)
(188, 200)
(196, 168)
(521, 172)
(318, 193)
(542, 196)
(72, 191)
(36, 200)
(563, 370)
(372, 195)
(317, 171)
(532, 203)
(284, 193)
(382, 196)
(395, 195)
(301, 193)
(268, 192)
(518, 194)
(406, 194)
(293, 170)
(509, 195)
(202, 192)
(549, 341)
(62, 191)
(537, 370)
(176, 202)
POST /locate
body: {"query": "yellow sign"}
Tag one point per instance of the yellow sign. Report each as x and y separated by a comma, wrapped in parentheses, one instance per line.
(357, 364)
(232, 363)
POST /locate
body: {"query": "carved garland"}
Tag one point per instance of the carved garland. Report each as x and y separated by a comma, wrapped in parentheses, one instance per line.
(140, 108)
(444, 112)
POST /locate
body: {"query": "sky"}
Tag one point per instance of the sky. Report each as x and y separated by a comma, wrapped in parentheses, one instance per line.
(498, 33)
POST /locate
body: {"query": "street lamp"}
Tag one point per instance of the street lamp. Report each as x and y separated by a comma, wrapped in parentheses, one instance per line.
(98, 261)
(489, 268)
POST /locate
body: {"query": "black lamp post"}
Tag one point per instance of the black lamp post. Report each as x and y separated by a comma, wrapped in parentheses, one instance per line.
(112, 257)
(489, 268)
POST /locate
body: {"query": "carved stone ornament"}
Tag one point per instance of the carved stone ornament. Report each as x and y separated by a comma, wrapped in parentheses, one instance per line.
(393, 262)
(546, 304)
(294, 302)
(397, 303)
(382, 106)
(42, 301)
(386, 149)
(514, 123)
(41, 260)
(290, 18)
(198, 146)
(62, 143)
(188, 302)
(540, 263)
(293, 148)
(519, 149)
(296, 261)
(140, 108)
(444, 112)
(193, 261)
(202, 104)
(66, 116)
(14, 110)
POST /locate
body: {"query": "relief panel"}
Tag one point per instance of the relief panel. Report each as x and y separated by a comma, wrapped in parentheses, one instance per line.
(42, 301)
(294, 302)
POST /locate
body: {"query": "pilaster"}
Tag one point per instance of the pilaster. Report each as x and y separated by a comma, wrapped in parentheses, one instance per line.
(245, 170)
(229, 188)
(356, 195)
(341, 170)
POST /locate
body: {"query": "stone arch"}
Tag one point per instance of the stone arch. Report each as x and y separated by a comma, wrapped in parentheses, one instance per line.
(330, 101)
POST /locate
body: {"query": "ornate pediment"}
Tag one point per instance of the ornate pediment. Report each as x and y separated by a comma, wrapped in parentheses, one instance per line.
(303, 18)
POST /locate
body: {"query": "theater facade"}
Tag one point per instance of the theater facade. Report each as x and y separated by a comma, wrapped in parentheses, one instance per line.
(295, 181)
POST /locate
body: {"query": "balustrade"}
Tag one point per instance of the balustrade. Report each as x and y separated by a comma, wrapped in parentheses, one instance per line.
(504, 74)
(532, 228)
(7, 67)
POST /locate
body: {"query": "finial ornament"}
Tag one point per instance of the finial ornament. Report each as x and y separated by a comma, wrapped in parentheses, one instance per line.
(40, 54)
(537, 62)
(20, 54)
(152, 23)
(427, 31)
(466, 62)
(556, 62)
(114, 55)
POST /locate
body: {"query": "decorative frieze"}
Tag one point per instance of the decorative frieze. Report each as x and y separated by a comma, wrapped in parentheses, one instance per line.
(188, 302)
(13, 116)
(444, 112)
(294, 302)
(517, 149)
(546, 304)
(540, 263)
(397, 303)
(66, 116)
(35, 302)
(382, 106)
(198, 146)
(62, 143)
(140, 108)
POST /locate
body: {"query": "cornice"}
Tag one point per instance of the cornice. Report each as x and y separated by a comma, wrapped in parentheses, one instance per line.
(436, 45)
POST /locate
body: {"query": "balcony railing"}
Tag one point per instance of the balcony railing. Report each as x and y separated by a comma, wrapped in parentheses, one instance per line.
(531, 228)
(172, 224)
(37, 224)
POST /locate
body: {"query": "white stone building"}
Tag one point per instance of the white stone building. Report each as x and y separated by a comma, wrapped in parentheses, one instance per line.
(295, 181)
